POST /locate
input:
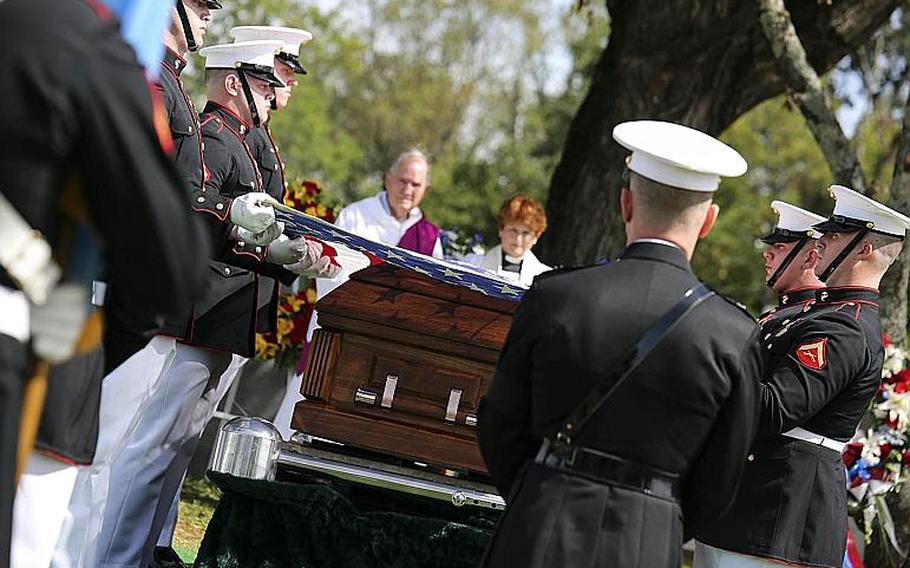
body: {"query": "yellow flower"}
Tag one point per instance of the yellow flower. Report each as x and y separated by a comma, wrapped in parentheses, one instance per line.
(285, 326)
(320, 211)
(295, 303)
(310, 296)
(311, 211)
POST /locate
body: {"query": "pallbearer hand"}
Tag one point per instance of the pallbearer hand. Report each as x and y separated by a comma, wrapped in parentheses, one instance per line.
(261, 238)
(253, 211)
(285, 251)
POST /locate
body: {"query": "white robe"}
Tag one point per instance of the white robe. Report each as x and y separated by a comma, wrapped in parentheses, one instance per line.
(492, 261)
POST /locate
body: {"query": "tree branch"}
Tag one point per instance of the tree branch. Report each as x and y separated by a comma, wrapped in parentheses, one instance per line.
(809, 94)
(894, 284)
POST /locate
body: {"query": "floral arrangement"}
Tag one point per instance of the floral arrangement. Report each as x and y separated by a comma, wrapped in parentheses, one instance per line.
(295, 307)
(878, 463)
(457, 244)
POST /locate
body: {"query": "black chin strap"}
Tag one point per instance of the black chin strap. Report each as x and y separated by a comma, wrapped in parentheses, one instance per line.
(783, 266)
(187, 30)
(860, 235)
(254, 113)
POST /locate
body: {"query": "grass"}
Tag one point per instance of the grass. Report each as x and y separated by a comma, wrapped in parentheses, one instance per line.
(197, 503)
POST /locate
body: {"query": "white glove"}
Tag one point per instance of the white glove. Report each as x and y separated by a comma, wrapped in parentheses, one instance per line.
(261, 238)
(253, 211)
(313, 264)
(56, 325)
(285, 251)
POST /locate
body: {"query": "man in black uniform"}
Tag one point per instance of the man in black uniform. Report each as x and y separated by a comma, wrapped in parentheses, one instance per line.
(76, 103)
(240, 82)
(669, 443)
(790, 261)
(271, 168)
(824, 370)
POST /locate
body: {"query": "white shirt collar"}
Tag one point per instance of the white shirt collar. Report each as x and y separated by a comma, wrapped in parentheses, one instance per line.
(656, 242)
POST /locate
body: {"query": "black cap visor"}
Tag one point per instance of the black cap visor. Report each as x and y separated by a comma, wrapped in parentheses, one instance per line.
(841, 224)
(267, 74)
(213, 4)
(293, 61)
(784, 236)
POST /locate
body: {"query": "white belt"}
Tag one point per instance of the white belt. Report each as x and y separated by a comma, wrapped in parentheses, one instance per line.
(13, 314)
(807, 436)
(25, 255)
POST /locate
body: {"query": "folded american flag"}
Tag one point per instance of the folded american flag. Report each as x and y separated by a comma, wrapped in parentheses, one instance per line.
(298, 224)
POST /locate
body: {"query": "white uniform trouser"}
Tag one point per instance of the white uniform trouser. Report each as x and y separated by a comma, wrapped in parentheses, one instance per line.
(710, 557)
(40, 510)
(124, 393)
(138, 471)
(166, 514)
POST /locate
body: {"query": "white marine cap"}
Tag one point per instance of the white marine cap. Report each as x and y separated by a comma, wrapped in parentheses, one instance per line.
(292, 38)
(854, 211)
(678, 156)
(229, 55)
(793, 223)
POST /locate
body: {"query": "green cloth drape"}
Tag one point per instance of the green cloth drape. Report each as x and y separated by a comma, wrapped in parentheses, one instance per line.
(274, 524)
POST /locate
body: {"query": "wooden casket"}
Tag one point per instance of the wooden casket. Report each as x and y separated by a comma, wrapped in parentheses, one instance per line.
(400, 364)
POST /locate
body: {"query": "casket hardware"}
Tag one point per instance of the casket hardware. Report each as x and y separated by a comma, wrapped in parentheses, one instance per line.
(388, 393)
(364, 396)
(452, 406)
(470, 420)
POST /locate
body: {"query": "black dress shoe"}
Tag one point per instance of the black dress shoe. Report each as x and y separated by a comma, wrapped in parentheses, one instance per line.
(167, 557)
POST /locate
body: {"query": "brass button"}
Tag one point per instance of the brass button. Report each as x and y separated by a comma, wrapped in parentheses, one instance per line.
(219, 206)
(227, 270)
(751, 457)
(258, 250)
(200, 199)
(190, 129)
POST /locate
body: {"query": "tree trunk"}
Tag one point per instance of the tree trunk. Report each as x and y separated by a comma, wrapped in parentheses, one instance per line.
(809, 94)
(703, 64)
(894, 285)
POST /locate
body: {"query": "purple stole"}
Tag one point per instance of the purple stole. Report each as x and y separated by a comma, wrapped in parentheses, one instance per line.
(421, 237)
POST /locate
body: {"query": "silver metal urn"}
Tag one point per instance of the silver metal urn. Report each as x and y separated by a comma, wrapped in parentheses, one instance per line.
(247, 447)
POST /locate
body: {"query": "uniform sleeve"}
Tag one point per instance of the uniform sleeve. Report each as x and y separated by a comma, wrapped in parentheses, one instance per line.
(155, 249)
(823, 355)
(504, 416)
(711, 484)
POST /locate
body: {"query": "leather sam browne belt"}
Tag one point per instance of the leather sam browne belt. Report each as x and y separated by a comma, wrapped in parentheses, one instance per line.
(613, 470)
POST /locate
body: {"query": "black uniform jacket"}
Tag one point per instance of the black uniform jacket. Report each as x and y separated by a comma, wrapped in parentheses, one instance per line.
(225, 318)
(271, 168)
(130, 323)
(790, 306)
(689, 409)
(824, 370)
(76, 111)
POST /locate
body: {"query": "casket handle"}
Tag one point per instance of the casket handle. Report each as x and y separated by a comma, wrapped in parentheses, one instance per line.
(364, 396)
(452, 406)
(388, 393)
(470, 420)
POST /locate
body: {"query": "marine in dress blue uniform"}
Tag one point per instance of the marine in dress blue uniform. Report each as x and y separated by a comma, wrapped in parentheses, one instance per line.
(790, 260)
(662, 457)
(219, 331)
(824, 370)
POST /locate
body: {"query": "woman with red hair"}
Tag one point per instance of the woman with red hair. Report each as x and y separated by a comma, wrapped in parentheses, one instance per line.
(521, 222)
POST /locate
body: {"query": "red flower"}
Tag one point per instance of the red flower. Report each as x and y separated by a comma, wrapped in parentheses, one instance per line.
(884, 450)
(885, 340)
(905, 458)
(877, 472)
(892, 422)
(311, 187)
(902, 387)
